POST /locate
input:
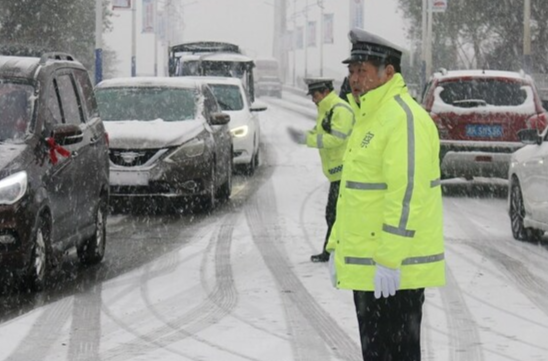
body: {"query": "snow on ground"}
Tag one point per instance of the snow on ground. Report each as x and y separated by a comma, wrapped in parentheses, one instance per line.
(243, 288)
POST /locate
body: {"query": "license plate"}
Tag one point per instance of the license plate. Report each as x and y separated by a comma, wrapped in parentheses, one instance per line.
(135, 178)
(483, 131)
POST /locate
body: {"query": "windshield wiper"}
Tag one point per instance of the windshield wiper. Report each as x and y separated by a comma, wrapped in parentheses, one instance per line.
(224, 105)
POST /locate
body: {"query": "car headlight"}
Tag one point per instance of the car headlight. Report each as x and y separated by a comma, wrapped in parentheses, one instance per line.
(190, 149)
(13, 188)
(240, 131)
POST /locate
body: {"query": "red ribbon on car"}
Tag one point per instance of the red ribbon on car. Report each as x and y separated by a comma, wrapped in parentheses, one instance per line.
(55, 148)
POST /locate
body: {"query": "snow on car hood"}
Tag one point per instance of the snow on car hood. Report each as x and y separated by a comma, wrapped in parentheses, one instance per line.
(8, 152)
(137, 134)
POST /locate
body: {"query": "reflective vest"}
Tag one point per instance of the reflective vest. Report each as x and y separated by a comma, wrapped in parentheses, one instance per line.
(330, 135)
(389, 209)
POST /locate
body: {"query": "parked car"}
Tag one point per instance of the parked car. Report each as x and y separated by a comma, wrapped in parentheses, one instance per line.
(478, 114)
(528, 185)
(53, 166)
(244, 120)
(168, 138)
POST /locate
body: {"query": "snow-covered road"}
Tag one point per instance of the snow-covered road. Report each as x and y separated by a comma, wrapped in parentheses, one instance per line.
(238, 284)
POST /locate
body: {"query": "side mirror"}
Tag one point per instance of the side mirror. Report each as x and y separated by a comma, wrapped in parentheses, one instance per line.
(530, 136)
(545, 104)
(65, 134)
(219, 118)
(258, 107)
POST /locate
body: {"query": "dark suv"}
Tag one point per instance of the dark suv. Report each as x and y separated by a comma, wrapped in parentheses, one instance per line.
(54, 166)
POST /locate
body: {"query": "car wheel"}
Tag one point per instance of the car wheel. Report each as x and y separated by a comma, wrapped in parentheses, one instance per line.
(226, 188)
(517, 213)
(41, 257)
(253, 164)
(92, 250)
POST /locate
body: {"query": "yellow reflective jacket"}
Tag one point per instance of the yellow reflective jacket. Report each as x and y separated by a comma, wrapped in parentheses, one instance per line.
(355, 106)
(389, 209)
(339, 118)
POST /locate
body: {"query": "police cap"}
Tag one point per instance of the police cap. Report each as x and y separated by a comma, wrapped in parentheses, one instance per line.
(367, 46)
(318, 84)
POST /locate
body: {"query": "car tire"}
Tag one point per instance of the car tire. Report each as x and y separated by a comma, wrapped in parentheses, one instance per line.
(226, 189)
(41, 257)
(253, 164)
(517, 213)
(92, 249)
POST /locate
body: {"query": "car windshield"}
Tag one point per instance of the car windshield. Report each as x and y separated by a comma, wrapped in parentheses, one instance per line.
(472, 93)
(229, 97)
(147, 103)
(15, 110)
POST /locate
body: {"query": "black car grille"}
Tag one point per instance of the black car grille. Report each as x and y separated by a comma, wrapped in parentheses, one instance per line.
(131, 157)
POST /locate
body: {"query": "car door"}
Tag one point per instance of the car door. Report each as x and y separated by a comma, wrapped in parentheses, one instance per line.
(538, 180)
(59, 180)
(96, 155)
(81, 153)
(221, 136)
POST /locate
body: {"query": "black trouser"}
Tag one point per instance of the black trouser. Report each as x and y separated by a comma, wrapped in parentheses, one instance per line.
(331, 209)
(390, 327)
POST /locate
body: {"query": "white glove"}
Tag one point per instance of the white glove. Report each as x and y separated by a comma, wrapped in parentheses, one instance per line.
(387, 281)
(332, 269)
(298, 136)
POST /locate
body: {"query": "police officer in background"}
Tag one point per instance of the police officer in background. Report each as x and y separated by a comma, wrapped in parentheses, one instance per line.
(387, 242)
(333, 127)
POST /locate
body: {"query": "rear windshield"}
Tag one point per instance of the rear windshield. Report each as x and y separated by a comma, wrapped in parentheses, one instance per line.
(143, 103)
(15, 110)
(229, 97)
(471, 93)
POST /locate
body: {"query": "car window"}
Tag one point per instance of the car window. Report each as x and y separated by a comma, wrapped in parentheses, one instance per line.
(52, 104)
(210, 103)
(228, 96)
(86, 90)
(147, 103)
(471, 93)
(70, 105)
(16, 110)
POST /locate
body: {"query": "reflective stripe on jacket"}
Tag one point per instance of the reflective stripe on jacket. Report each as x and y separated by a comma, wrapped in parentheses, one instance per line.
(389, 209)
(332, 144)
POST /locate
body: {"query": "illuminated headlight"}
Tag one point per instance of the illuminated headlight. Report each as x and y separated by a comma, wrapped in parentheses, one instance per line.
(13, 188)
(191, 149)
(240, 131)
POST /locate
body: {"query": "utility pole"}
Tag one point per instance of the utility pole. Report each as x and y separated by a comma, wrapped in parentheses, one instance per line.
(322, 34)
(424, 45)
(527, 64)
(155, 38)
(306, 40)
(98, 41)
(133, 38)
(429, 40)
(294, 47)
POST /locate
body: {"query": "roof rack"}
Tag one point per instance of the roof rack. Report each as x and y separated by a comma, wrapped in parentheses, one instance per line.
(55, 56)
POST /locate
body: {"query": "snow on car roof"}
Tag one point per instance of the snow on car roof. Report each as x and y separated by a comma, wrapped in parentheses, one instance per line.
(444, 75)
(216, 57)
(175, 82)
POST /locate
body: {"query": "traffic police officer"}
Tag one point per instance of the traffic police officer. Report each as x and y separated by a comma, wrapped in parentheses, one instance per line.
(387, 242)
(333, 127)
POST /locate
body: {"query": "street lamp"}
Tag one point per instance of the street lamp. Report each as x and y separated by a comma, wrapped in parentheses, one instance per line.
(527, 36)
(98, 41)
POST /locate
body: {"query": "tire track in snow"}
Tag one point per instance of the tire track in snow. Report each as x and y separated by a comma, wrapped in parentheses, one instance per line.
(464, 337)
(533, 287)
(312, 327)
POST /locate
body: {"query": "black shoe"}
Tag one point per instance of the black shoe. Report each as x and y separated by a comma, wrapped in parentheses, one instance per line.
(322, 257)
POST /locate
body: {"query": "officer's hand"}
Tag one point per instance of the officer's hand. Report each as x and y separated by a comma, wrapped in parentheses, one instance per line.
(332, 269)
(298, 136)
(387, 281)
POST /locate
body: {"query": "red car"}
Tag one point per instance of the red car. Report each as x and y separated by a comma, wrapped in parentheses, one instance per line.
(478, 114)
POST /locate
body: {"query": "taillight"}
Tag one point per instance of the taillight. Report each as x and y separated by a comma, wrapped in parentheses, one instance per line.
(537, 121)
(442, 129)
(107, 140)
